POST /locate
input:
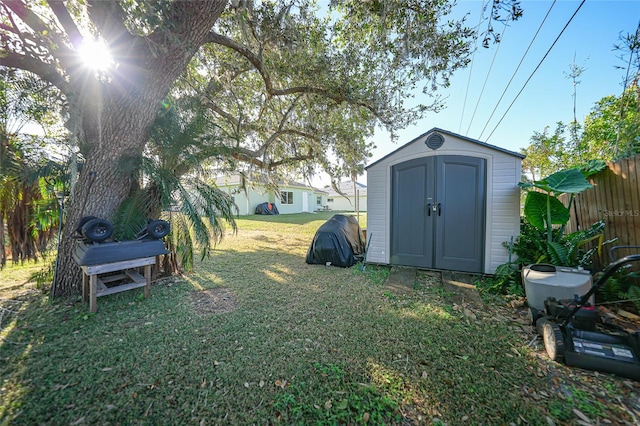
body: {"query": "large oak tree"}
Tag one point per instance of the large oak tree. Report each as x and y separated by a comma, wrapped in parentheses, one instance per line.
(284, 82)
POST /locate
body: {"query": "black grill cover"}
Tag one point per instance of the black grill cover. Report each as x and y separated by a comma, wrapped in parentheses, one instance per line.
(267, 208)
(339, 241)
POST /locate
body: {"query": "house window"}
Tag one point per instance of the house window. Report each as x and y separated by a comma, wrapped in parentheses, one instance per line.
(286, 197)
(319, 201)
(329, 200)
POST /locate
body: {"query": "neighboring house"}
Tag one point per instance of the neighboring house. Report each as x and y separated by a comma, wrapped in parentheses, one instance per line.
(444, 201)
(354, 198)
(292, 197)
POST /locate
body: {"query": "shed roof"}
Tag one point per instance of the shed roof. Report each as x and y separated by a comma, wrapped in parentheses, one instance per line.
(346, 187)
(465, 138)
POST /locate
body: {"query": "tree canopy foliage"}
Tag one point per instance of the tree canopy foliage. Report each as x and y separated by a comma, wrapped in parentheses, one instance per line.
(609, 132)
(612, 129)
(291, 89)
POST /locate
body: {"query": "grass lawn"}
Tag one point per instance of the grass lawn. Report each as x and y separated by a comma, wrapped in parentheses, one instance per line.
(256, 336)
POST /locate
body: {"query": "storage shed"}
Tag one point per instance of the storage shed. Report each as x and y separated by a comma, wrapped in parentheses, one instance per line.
(444, 201)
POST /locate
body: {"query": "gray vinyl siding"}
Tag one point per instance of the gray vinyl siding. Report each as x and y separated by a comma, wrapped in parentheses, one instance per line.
(378, 215)
(505, 214)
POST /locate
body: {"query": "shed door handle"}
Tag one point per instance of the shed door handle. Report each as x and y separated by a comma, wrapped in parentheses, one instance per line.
(439, 208)
(428, 209)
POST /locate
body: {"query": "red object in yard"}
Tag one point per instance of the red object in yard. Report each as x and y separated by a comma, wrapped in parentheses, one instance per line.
(270, 206)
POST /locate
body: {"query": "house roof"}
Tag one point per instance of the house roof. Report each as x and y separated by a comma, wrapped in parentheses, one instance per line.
(465, 138)
(346, 187)
(235, 179)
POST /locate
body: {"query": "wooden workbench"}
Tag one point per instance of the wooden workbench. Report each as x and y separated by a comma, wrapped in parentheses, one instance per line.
(93, 286)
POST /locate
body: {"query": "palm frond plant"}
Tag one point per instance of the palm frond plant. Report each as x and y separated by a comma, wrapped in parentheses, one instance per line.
(173, 188)
(27, 208)
(199, 221)
(9, 171)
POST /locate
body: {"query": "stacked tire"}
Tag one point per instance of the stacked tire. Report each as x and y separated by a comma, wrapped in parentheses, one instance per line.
(99, 230)
(95, 229)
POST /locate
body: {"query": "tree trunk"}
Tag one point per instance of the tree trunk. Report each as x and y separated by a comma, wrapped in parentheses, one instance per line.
(115, 118)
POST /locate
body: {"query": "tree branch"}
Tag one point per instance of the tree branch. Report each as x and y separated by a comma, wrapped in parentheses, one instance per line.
(271, 90)
(281, 131)
(216, 38)
(247, 156)
(9, 29)
(222, 113)
(290, 160)
(45, 71)
(27, 16)
(180, 35)
(240, 155)
(42, 42)
(19, 8)
(108, 17)
(61, 12)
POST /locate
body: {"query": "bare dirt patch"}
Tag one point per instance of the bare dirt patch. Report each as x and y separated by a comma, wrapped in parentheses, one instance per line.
(213, 301)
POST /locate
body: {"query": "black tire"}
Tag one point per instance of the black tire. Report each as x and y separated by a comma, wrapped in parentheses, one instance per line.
(158, 228)
(97, 230)
(82, 222)
(534, 315)
(539, 323)
(553, 339)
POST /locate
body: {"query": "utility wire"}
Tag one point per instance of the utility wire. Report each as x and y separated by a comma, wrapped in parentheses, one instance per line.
(516, 70)
(486, 78)
(475, 49)
(536, 69)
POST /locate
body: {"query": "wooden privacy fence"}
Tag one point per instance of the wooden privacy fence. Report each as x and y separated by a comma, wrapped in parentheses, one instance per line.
(615, 197)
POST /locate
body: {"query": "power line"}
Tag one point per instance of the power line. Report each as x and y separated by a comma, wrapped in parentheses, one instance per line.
(536, 69)
(475, 49)
(486, 78)
(516, 70)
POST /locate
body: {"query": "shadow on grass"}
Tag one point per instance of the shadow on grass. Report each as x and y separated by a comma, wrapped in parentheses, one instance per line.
(306, 344)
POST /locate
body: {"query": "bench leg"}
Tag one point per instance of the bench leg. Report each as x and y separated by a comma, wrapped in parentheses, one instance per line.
(147, 276)
(85, 287)
(93, 287)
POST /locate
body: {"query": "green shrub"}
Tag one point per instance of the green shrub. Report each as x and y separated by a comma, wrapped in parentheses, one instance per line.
(623, 285)
(532, 247)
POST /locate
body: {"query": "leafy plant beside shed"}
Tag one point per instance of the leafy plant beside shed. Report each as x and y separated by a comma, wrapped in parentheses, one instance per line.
(542, 238)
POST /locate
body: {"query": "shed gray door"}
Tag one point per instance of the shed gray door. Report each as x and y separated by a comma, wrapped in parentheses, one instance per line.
(437, 213)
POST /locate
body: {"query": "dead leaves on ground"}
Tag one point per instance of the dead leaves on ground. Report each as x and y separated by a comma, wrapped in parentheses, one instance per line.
(580, 389)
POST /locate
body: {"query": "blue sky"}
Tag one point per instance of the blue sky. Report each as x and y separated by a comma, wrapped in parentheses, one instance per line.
(547, 98)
